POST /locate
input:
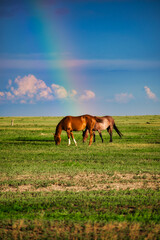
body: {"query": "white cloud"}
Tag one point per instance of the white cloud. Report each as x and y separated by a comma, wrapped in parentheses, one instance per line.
(150, 94)
(72, 93)
(123, 97)
(88, 95)
(9, 96)
(59, 91)
(46, 94)
(31, 87)
(2, 94)
(28, 85)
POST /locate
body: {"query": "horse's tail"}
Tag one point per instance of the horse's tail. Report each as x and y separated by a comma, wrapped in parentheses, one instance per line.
(117, 130)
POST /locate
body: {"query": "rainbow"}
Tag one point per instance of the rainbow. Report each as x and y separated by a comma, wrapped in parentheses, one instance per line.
(52, 41)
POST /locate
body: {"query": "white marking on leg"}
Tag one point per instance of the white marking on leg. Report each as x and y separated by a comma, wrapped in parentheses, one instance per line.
(75, 141)
(69, 141)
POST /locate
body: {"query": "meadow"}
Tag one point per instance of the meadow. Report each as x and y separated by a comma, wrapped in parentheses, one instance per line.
(105, 191)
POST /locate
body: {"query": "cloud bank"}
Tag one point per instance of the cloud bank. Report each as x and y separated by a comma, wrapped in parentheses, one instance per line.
(106, 64)
(29, 89)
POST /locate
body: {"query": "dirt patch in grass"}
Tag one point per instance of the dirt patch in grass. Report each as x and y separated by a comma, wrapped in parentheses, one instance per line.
(38, 229)
(84, 182)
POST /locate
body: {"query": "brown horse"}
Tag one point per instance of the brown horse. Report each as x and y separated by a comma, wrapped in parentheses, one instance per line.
(70, 123)
(107, 123)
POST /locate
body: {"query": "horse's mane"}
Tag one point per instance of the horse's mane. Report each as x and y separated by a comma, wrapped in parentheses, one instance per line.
(58, 126)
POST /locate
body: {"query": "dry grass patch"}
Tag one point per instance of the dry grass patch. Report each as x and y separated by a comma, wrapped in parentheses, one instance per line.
(84, 182)
(37, 229)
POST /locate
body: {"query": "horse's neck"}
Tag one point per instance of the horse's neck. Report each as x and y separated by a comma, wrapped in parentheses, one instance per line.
(58, 129)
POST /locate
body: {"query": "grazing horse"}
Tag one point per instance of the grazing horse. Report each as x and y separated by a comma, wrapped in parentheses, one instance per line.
(70, 123)
(107, 123)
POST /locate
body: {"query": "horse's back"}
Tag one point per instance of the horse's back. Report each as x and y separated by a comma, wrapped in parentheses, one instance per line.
(110, 119)
(106, 121)
(102, 125)
(73, 123)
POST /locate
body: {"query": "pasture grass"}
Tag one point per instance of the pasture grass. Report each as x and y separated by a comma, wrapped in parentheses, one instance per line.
(106, 191)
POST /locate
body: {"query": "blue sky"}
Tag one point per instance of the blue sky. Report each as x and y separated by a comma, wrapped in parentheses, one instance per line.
(72, 57)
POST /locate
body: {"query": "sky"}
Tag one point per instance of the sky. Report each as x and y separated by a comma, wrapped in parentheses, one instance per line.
(74, 57)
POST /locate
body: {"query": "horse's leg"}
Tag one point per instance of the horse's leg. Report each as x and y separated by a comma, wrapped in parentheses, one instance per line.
(73, 139)
(111, 136)
(109, 129)
(68, 134)
(91, 136)
(100, 134)
(85, 135)
(94, 136)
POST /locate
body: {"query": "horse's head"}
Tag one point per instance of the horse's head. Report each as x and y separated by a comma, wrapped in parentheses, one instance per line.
(57, 139)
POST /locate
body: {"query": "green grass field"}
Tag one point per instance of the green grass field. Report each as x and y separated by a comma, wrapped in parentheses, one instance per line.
(106, 191)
